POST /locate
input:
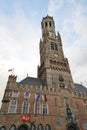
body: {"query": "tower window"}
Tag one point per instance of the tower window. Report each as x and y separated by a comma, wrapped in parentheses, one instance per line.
(50, 24)
(46, 24)
(61, 78)
(42, 25)
(54, 46)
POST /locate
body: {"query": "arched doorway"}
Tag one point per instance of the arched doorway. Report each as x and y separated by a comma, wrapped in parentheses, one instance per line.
(32, 127)
(40, 127)
(23, 127)
(47, 127)
(13, 127)
(71, 128)
(2, 128)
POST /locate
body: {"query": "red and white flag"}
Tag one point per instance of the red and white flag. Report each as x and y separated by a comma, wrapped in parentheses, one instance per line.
(44, 98)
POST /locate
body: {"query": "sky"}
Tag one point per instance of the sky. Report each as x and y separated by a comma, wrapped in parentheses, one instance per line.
(20, 33)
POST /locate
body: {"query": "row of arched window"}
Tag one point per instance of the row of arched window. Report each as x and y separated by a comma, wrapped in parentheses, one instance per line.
(39, 108)
(26, 127)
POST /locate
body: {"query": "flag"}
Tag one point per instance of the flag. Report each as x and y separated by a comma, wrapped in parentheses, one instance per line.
(26, 94)
(44, 98)
(80, 125)
(37, 96)
(10, 69)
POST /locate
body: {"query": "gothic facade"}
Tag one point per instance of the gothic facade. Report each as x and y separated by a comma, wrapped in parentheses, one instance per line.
(52, 101)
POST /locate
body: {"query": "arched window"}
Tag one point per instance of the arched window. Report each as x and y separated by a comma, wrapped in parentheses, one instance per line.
(61, 78)
(37, 107)
(32, 127)
(56, 48)
(25, 106)
(45, 24)
(13, 127)
(40, 127)
(2, 128)
(47, 127)
(45, 108)
(50, 24)
(12, 106)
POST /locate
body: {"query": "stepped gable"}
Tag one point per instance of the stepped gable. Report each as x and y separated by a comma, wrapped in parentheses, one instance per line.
(32, 81)
(80, 88)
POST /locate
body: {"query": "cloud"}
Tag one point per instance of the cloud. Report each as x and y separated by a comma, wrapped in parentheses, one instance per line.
(54, 5)
(71, 1)
(19, 47)
(75, 43)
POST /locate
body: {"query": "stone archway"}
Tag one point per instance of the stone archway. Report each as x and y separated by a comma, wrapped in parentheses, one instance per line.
(23, 127)
(71, 128)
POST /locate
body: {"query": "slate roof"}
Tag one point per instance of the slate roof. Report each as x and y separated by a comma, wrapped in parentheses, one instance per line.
(32, 81)
(41, 82)
(80, 88)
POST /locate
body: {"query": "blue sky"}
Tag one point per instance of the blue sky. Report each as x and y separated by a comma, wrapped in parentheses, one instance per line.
(20, 33)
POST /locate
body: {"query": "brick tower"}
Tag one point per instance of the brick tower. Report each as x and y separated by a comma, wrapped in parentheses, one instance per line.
(54, 67)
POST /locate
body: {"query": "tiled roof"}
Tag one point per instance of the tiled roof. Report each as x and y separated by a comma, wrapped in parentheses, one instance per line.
(80, 88)
(32, 81)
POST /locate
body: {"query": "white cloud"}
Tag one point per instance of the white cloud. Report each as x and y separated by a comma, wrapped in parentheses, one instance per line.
(72, 1)
(54, 5)
(76, 50)
(19, 47)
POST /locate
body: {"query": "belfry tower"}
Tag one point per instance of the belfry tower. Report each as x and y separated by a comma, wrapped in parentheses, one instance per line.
(54, 67)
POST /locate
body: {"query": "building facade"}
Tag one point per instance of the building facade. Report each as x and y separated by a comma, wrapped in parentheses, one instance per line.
(52, 101)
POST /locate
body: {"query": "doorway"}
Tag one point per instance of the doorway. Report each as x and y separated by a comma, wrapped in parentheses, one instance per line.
(23, 127)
